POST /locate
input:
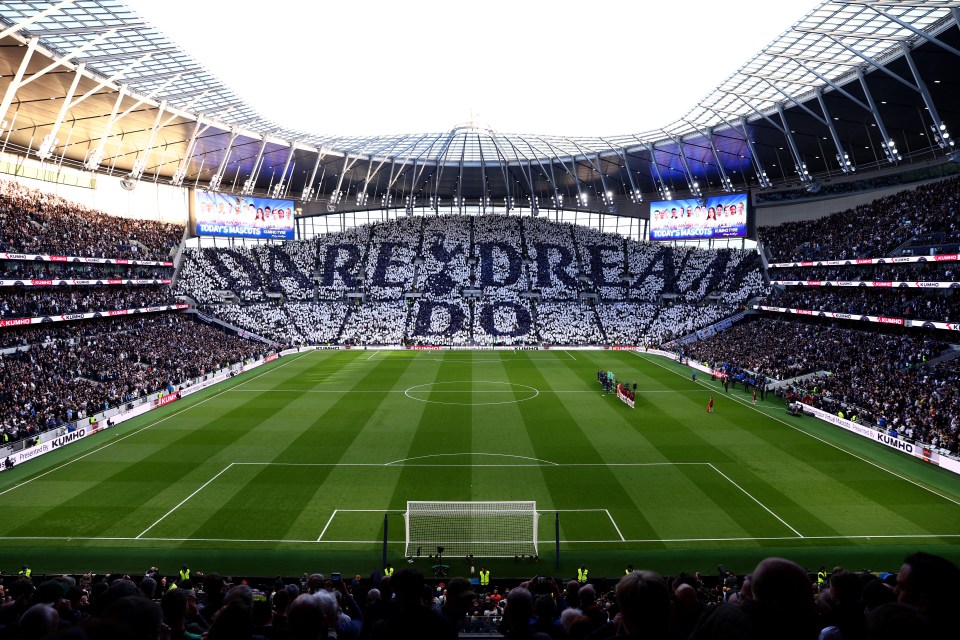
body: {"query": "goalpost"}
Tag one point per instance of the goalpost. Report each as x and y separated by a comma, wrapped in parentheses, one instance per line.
(483, 529)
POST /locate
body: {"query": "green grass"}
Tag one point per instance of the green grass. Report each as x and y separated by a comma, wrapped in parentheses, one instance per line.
(245, 477)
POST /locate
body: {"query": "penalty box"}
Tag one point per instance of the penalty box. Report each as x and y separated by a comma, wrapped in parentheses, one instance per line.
(345, 504)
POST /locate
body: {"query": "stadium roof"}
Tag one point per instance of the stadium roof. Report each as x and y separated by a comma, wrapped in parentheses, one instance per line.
(836, 88)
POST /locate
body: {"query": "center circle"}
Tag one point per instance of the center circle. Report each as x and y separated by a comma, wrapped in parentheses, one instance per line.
(471, 393)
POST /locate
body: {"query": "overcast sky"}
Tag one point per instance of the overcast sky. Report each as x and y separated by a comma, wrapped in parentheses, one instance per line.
(519, 66)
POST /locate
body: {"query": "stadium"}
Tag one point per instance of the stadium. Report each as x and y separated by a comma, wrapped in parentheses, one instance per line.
(229, 347)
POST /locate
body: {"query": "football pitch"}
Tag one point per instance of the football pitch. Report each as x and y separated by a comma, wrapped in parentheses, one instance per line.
(295, 466)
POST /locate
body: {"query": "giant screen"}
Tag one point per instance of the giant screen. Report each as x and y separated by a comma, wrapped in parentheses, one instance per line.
(222, 214)
(717, 217)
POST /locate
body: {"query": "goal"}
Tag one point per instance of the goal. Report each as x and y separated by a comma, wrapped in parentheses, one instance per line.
(482, 529)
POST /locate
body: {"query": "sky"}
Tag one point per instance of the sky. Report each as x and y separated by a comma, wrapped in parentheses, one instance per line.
(561, 67)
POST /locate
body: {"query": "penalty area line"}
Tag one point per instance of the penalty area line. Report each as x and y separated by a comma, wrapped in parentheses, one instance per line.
(809, 435)
(182, 502)
(152, 424)
(749, 495)
(918, 536)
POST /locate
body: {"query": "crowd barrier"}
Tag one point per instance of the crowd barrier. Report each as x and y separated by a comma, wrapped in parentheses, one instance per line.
(67, 317)
(870, 284)
(901, 322)
(943, 257)
(19, 452)
(57, 282)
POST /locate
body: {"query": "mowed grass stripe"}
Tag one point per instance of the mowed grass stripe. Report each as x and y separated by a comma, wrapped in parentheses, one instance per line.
(556, 436)
(824, 487)
(380, 437)
(135, 492)
(665, 435)
(444, 429)
(324, 436)
(501, 429)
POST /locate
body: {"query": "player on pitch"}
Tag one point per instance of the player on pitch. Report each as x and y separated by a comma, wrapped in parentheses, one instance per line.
(710, 405)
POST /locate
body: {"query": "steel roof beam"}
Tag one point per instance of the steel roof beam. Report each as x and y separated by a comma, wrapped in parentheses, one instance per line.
(833, 85)
(939, 128)
(923, 34)
(49, 142)
(141, 163)
(123, 55)
(15, 82)
(85, 30)
(73, 53)
(662, 186)
(23, 24)
(879, 66)
(889, 146)
(113, 78)
(846, 164)
(93, 160)
(175, 73)
(692, 185)
(308, 189)
(217, 177)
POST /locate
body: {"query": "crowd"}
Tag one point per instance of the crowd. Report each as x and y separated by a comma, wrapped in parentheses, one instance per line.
(778, 599)
(31, 302)
(33, 270)
(500, 268)
(318, 324)
(446, 246)
(603, 256)
(678, 320)
(917, 304)
(437, 257)
(883, 379)
(902, 272)
(390, 264)
(288, 267)
(339, 261)
(376, 323)
(625, 322)
(100, 364)
(266, 319)
(37, 222)
(444, 322)
(568, 324)
(504, 323)
(871, 230)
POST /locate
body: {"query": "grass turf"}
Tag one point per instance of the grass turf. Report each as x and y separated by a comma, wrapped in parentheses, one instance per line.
(244, 478)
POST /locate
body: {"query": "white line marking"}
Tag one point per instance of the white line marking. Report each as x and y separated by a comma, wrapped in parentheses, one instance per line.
(471, 453)
(917, 536)
(373, 354)
(569, 354)
(352, 391)
(182, 502)
(536, 392)
(615, 525)
(332, 516)
(765, 508)
(153, 424)
(799, 430)
(547, 464)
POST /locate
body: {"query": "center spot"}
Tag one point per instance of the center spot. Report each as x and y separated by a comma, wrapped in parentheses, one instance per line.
(471, 393)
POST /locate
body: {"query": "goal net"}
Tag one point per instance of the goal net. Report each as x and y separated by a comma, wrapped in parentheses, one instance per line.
(483, 529)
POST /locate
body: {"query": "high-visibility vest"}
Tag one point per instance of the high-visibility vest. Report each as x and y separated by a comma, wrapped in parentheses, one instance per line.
(25, 572)
(484, 578)
(582, 575)
(388, 571)
(627, 572)
(184, 574)
(821, 577)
